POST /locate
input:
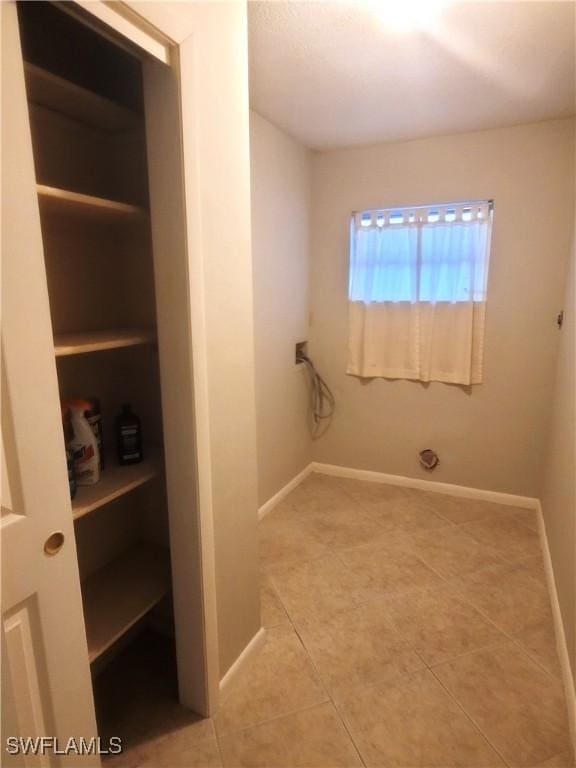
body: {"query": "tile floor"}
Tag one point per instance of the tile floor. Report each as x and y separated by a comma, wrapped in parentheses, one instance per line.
(403, 629)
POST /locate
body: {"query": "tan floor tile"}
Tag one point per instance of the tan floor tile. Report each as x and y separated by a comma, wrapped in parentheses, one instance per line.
(282, 539)
(539, 642)
(518, 706)
(128, 759)
(379, 569)
(316, 589)
(148, 724)
(528, 517)
(173, 752)
(358, 648)
(508, 594)
(271, 608)
(451, 551)
(460, 510)
(366, 492)
(535, 567)
(454, 508)
(565, 760)
(311, 738)
(414, 723)
(177, 746)
(345, 524)
(317, 492)
(277, 680)
(504, 532)
(406, 514)
(437, 624)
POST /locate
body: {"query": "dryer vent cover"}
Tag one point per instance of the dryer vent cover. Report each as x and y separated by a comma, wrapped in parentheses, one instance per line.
(428, 459)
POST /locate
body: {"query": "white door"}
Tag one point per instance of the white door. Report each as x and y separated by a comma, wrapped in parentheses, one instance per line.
(46, 686)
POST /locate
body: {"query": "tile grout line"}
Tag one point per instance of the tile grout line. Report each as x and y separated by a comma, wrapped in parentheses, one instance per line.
(290, 712)
(407, 676)
(319, 680)
(277, 594)
(273, 719)
(218, 746)
(331, 698)
(470, 718)
(292, 563)
(514, 639)
(535, 660)
(465, 654)
(350, 735)
(510, 637)
(461, 527)
(516, 560)
(365, 506)
(502, 560)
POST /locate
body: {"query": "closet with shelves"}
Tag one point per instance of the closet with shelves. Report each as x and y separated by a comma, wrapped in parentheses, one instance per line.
(87, 120)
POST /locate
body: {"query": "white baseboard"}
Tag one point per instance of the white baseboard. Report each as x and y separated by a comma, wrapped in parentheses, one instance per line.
(562, 648)
(269, 505)
(508, 499)
(254, 645)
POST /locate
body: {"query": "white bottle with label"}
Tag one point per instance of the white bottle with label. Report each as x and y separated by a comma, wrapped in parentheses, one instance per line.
(84, 445)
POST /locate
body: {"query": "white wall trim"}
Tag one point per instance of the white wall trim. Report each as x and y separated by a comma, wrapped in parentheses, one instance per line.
(254, 645)
(561, 646)
(508, 499)
(269, 505)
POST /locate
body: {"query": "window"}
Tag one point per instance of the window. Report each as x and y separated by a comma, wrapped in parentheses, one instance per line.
(417, 291)
(425, 254)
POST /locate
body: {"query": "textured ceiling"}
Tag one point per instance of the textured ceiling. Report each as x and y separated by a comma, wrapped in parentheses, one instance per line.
(333, 74)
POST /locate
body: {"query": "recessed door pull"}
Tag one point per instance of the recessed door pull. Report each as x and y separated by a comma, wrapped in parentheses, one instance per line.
(54, 543)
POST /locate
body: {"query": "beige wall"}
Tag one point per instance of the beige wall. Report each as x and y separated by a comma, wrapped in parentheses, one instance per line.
(222, 223)
(559, 491)
(217, 174)
(493, 435)
(280, 222)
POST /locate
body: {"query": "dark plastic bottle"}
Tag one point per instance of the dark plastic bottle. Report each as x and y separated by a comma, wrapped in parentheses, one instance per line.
(128, 437)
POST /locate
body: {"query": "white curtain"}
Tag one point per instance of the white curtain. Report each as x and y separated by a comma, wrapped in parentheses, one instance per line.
(417, 292)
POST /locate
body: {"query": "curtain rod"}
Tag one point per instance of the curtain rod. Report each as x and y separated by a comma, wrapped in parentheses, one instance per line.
(430, 206)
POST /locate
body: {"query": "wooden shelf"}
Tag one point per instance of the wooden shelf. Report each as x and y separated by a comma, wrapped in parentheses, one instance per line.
(55, 200)
(98, 341)
(60, 95)
(114, 482)
(120, 594)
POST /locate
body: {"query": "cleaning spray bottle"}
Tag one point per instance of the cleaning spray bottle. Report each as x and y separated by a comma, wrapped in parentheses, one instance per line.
(83, 444)
(68, 436)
